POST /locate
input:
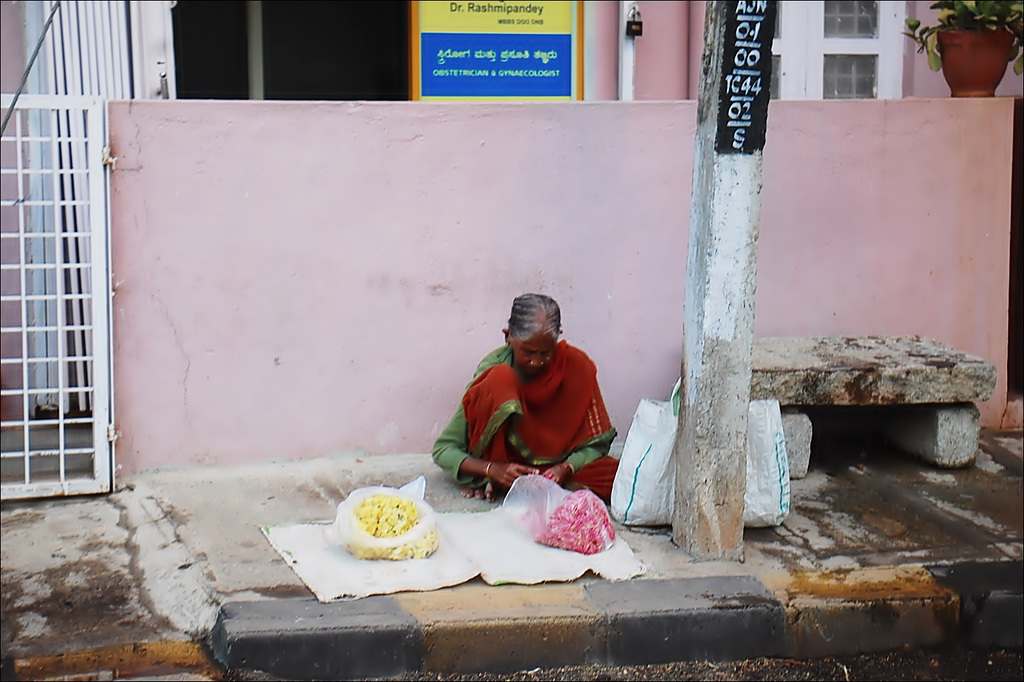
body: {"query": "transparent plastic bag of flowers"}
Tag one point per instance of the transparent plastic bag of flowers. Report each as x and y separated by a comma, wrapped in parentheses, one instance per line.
(576, 520)
(386, 523)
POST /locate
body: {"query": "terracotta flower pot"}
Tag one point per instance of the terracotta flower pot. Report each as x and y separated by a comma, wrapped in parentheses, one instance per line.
(974, 62)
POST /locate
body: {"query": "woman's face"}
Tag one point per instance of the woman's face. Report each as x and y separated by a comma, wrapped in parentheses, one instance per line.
(531, 356)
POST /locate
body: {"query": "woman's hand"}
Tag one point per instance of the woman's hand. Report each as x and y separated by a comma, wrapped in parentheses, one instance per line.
(504, 474)
(560, 473)
(498, 475)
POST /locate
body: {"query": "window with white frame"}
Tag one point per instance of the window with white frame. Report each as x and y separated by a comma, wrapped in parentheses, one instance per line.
(843, 49)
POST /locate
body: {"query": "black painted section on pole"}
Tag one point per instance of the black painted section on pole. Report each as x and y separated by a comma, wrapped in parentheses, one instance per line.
(746, 77)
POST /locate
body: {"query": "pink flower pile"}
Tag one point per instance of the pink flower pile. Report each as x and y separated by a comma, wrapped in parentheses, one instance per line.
(580, 524)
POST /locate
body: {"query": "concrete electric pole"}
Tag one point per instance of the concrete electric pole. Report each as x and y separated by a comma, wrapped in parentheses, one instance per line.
(725, 213)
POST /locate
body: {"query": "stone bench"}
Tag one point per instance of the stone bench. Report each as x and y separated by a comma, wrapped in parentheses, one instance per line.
(922, 393)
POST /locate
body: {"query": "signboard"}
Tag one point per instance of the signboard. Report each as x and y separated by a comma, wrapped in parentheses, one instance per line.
(746, 77)
(498, 50)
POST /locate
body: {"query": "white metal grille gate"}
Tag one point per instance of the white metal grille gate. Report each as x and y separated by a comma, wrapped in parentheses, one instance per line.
(55, 353)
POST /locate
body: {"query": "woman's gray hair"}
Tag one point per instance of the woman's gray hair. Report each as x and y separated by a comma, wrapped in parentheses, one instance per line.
(532, 313)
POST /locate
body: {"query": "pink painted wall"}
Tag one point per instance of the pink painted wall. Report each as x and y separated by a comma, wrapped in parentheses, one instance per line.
(667, 60)
(662, 52)
(293, 279)
(12, 37)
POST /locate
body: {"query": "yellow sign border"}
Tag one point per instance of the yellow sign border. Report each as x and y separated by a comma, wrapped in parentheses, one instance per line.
(415, 93)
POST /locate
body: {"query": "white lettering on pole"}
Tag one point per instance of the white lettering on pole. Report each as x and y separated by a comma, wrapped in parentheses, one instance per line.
(748, 55)
(743, 104)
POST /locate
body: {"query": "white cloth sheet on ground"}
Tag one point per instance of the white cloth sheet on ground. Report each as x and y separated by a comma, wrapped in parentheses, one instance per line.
(487, 544)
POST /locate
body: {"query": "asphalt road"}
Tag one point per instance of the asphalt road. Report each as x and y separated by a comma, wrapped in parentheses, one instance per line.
(944, 664)
(901, 665)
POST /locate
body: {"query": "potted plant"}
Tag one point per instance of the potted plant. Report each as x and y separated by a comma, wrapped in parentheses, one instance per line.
(971, 44)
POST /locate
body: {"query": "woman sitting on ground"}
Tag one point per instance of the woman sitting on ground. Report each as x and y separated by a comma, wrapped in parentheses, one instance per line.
(533, 407)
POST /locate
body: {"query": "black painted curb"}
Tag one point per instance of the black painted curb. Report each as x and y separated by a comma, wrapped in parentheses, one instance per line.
(641, 622)
(991, 601)
(664, 621)
(307, 640)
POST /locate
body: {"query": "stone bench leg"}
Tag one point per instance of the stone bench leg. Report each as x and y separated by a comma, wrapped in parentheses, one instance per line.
(796, 426)
(943, 435)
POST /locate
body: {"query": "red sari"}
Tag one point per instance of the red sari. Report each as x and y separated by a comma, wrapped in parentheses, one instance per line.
(543, 421)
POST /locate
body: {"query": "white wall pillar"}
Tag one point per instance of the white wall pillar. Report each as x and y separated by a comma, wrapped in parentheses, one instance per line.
(627, 53)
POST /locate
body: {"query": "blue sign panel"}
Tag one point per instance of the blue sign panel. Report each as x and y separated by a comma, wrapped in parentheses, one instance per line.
(496, 65)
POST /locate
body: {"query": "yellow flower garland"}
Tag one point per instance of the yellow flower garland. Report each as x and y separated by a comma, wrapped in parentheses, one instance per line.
(391, 516)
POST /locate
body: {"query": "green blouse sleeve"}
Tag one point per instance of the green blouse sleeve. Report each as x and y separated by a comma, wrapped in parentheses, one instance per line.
(452, 447)
(592, 451)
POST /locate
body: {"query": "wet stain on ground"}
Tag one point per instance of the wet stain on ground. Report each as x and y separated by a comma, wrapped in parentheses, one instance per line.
(131, 661)
(864, 502)
(85, 601)
(23, 519)
(866, 584)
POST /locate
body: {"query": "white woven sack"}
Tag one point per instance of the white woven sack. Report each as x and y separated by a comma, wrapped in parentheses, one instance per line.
(766, 502)
(644, 487)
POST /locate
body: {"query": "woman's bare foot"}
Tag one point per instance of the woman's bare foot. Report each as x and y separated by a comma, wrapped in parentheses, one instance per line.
(484, 493)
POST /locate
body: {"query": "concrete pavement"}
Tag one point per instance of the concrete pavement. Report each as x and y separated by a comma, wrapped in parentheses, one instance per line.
(880, 551)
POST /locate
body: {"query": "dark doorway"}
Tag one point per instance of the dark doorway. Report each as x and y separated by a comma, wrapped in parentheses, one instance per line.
(304, 50)
(210, 50)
